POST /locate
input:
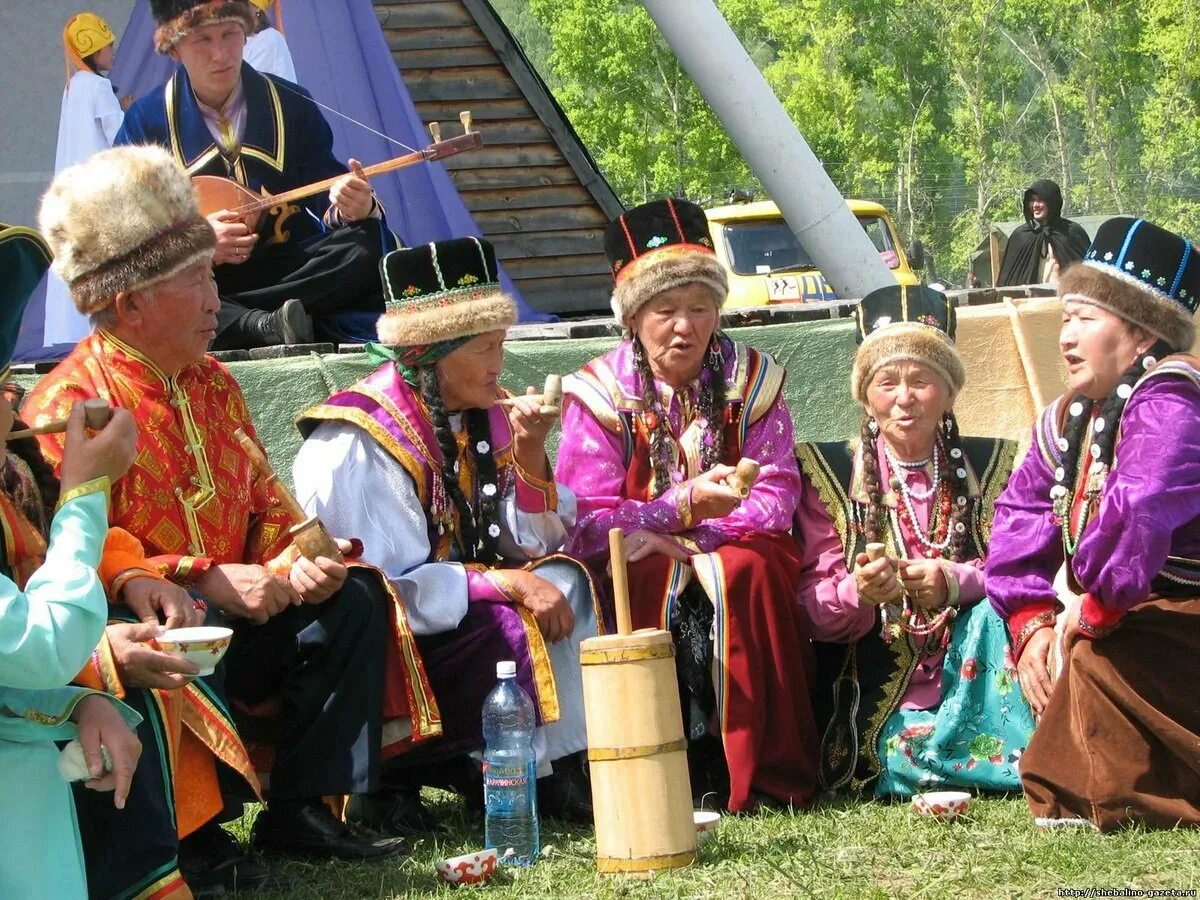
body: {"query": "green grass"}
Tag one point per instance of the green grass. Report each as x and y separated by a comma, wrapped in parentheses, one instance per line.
(841, 849)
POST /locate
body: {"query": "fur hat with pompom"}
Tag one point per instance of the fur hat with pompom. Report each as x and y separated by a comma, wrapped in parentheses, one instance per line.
(122, 220)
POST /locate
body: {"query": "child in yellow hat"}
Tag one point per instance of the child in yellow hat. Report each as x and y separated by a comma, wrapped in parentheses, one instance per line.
(267, 50)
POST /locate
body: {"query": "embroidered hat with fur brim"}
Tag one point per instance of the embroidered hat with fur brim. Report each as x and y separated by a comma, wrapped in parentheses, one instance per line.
(442, 291)
(176, 18)
(125, 219)
(658, 246)
(900, 323)
(1143, 273)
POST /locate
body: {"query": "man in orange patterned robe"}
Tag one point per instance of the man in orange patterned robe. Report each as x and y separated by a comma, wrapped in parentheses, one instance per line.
(311, 637)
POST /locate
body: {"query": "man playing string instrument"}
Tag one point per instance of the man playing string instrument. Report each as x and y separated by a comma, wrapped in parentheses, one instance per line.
(314, 263)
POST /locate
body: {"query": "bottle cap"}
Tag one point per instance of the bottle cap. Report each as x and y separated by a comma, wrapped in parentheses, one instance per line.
(506, 669)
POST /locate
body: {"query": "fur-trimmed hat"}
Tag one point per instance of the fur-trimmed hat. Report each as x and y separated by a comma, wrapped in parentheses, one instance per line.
(899, 322)
(442, 291)
(176, 18)
(1145, 274)
(122, 220)
(658, 246)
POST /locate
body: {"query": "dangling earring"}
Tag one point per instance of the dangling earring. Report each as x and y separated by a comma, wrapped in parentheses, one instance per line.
(715, 360)
(873, 427)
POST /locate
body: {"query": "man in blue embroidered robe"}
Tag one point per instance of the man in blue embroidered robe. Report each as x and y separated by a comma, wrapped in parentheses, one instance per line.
(310, 270)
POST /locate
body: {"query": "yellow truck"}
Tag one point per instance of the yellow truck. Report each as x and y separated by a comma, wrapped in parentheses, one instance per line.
(767, 264)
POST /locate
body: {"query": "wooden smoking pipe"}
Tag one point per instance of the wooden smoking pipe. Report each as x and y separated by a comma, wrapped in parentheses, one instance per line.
(96, 413)
(309, 535)
(551, 397)
(744, 476)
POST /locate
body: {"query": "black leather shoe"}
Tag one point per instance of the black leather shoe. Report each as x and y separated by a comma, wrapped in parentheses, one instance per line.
(213, 864)
(567, 794)
(289, 324)
(310, 830)
(391, 812)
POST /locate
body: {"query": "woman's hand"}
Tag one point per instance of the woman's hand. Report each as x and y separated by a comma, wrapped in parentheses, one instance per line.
(876, 581)
(98, 724)
(925, 582)
(1035, 668)
(139, 661)
(641, 544)
(711, 497)
(110, 451)
(530, 428)
(547, 603)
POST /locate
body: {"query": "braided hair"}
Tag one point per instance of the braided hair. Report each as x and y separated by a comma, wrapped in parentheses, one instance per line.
(35, 500)
(478, 530)
(712, 410)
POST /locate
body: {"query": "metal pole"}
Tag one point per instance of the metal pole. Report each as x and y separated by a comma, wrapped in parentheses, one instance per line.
(776, 151)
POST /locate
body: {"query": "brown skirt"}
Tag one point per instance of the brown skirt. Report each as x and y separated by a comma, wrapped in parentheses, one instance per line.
(1120, 741)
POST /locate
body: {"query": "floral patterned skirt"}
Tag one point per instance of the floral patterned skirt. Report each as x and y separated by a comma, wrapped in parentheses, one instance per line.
(974, 738)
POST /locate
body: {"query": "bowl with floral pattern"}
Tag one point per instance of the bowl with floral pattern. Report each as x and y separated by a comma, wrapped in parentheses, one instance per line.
(470, 868)
(204, 645)
(706, 824)
(944, 805)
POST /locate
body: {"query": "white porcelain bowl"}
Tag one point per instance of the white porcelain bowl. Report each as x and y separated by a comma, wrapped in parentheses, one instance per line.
(944, 805)
(204, 645)
(469, 868)
(706, 824)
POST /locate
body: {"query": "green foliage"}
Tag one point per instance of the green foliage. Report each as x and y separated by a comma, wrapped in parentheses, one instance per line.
(944, 112)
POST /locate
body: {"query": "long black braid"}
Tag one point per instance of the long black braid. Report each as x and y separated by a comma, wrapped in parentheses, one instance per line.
(960, 491)
(38, 500)
(1079, 413)
(712, 408)
(474, 532)
(872, 523)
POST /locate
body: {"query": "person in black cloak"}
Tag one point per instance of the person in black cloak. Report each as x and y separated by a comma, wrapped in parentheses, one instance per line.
(1047, 243)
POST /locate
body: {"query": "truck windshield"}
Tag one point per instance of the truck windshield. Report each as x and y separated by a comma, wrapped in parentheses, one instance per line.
(760, 246)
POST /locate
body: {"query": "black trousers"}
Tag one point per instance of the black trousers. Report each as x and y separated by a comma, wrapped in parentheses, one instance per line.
(324, 663)
(329, 273)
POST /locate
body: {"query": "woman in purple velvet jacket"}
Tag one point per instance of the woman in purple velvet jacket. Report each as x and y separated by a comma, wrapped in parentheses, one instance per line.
(1112, 488)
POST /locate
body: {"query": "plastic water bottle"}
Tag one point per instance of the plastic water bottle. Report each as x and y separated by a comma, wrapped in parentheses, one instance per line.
(509, 770)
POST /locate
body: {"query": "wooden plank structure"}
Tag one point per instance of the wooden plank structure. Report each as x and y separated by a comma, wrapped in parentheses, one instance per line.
(533, 188)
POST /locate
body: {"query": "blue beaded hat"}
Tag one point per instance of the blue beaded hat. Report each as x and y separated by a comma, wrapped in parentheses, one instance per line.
(1142, 273)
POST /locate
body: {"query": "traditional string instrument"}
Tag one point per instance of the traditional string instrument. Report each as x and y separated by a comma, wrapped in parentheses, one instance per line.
(309, 534)
(637, 750)
(214, 193)
(96, 413)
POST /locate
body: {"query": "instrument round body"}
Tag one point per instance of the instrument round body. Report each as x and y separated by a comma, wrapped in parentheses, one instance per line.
(214, 194)
(637, 752)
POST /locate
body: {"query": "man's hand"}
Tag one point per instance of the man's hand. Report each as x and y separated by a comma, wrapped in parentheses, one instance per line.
(1035, 668)
(351, 194)
(155, 602)
(139, 661)
(711, 497)
(547, 603)
(235, 242)
(247, 591)
(875, 580)
(319, 579)
(98, 724)
(641, 544)
(110, 451)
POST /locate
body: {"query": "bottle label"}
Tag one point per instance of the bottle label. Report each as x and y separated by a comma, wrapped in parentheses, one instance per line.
(506, 789)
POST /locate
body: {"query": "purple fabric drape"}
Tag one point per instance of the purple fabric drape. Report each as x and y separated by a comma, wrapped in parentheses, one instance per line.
(343, 59)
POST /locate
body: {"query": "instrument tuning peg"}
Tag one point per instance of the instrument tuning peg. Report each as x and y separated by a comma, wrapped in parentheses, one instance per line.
(465, 118)
(436, 130)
